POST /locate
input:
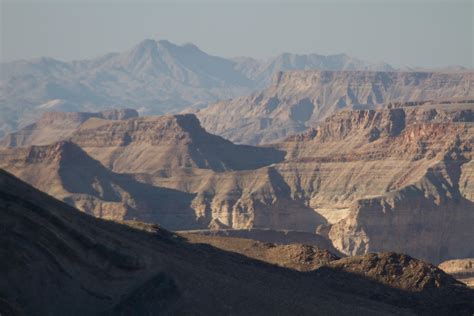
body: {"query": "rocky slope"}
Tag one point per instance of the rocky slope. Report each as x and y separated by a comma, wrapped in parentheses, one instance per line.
(65, 171)
(391, 179)
(461, 269)
(301, 99)
(262, 71)
(56, 126)
(398, 270)
(160, 144)
(264, 236)
(369, 180)
(173, 148)
(154, 77)
(398, 178)
(295, 256)
(76, 264)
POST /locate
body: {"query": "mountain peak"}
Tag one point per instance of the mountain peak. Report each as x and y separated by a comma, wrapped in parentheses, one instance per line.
(150, 144)
(155, 75)
(146, 46)
(61, 152)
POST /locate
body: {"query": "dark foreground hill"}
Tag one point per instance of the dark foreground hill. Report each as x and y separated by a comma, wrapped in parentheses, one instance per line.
(56, 260)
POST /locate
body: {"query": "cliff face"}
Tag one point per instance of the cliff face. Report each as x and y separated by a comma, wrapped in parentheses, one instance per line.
(56, 126)
(429, 219)
(160, 144)
(301, 99)
(77, 264)
(65, 171)
(368, 180)
(155, 77)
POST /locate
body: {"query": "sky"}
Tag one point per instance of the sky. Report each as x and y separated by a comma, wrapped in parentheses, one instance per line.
(403, 33)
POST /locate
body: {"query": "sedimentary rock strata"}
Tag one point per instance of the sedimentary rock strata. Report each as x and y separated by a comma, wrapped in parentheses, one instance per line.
(301, 99)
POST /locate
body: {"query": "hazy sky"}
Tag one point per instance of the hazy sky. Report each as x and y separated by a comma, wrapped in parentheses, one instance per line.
(402, 33)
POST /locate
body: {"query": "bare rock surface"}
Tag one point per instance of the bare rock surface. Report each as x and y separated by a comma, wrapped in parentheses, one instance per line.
(301, 99)
(382, 172)
(395, 270)
(395, 179)
(296, 256)
(461, 269)
(163, 143)
(76, 264)
(56, 126)
(65, 171)
(153, 77)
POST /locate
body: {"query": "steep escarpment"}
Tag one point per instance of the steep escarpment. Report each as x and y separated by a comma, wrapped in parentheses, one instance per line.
(68, 173)
(74, 263)
(428, 218)
(368, 180)
(154, 77)
(253, 199)
(301, 99)
(399, 178)
(56, 126)
(154, 144)
(389, 180)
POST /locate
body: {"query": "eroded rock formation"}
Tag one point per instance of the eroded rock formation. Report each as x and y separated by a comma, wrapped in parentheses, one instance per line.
(56, 126)
(163, 143)
(399, 178)
(301, 99)
(74, 263)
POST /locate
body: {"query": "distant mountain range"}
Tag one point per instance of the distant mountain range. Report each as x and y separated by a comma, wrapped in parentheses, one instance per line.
(298, 100)
(263, 71)
(154, 77)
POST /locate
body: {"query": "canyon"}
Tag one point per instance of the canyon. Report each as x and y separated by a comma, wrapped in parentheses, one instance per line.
(397, 178)
(298, 100)
(77, 264)
(305, 158)
(153, 77)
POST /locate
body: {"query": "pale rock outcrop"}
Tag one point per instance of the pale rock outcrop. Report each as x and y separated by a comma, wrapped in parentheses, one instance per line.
(461, 269)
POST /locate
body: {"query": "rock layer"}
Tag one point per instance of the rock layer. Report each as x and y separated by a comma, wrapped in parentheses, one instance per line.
(154, 77)
(301, 99)
(56, 126)
(65, 171)
(77, 264)
(160, 144)
(368, 180)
